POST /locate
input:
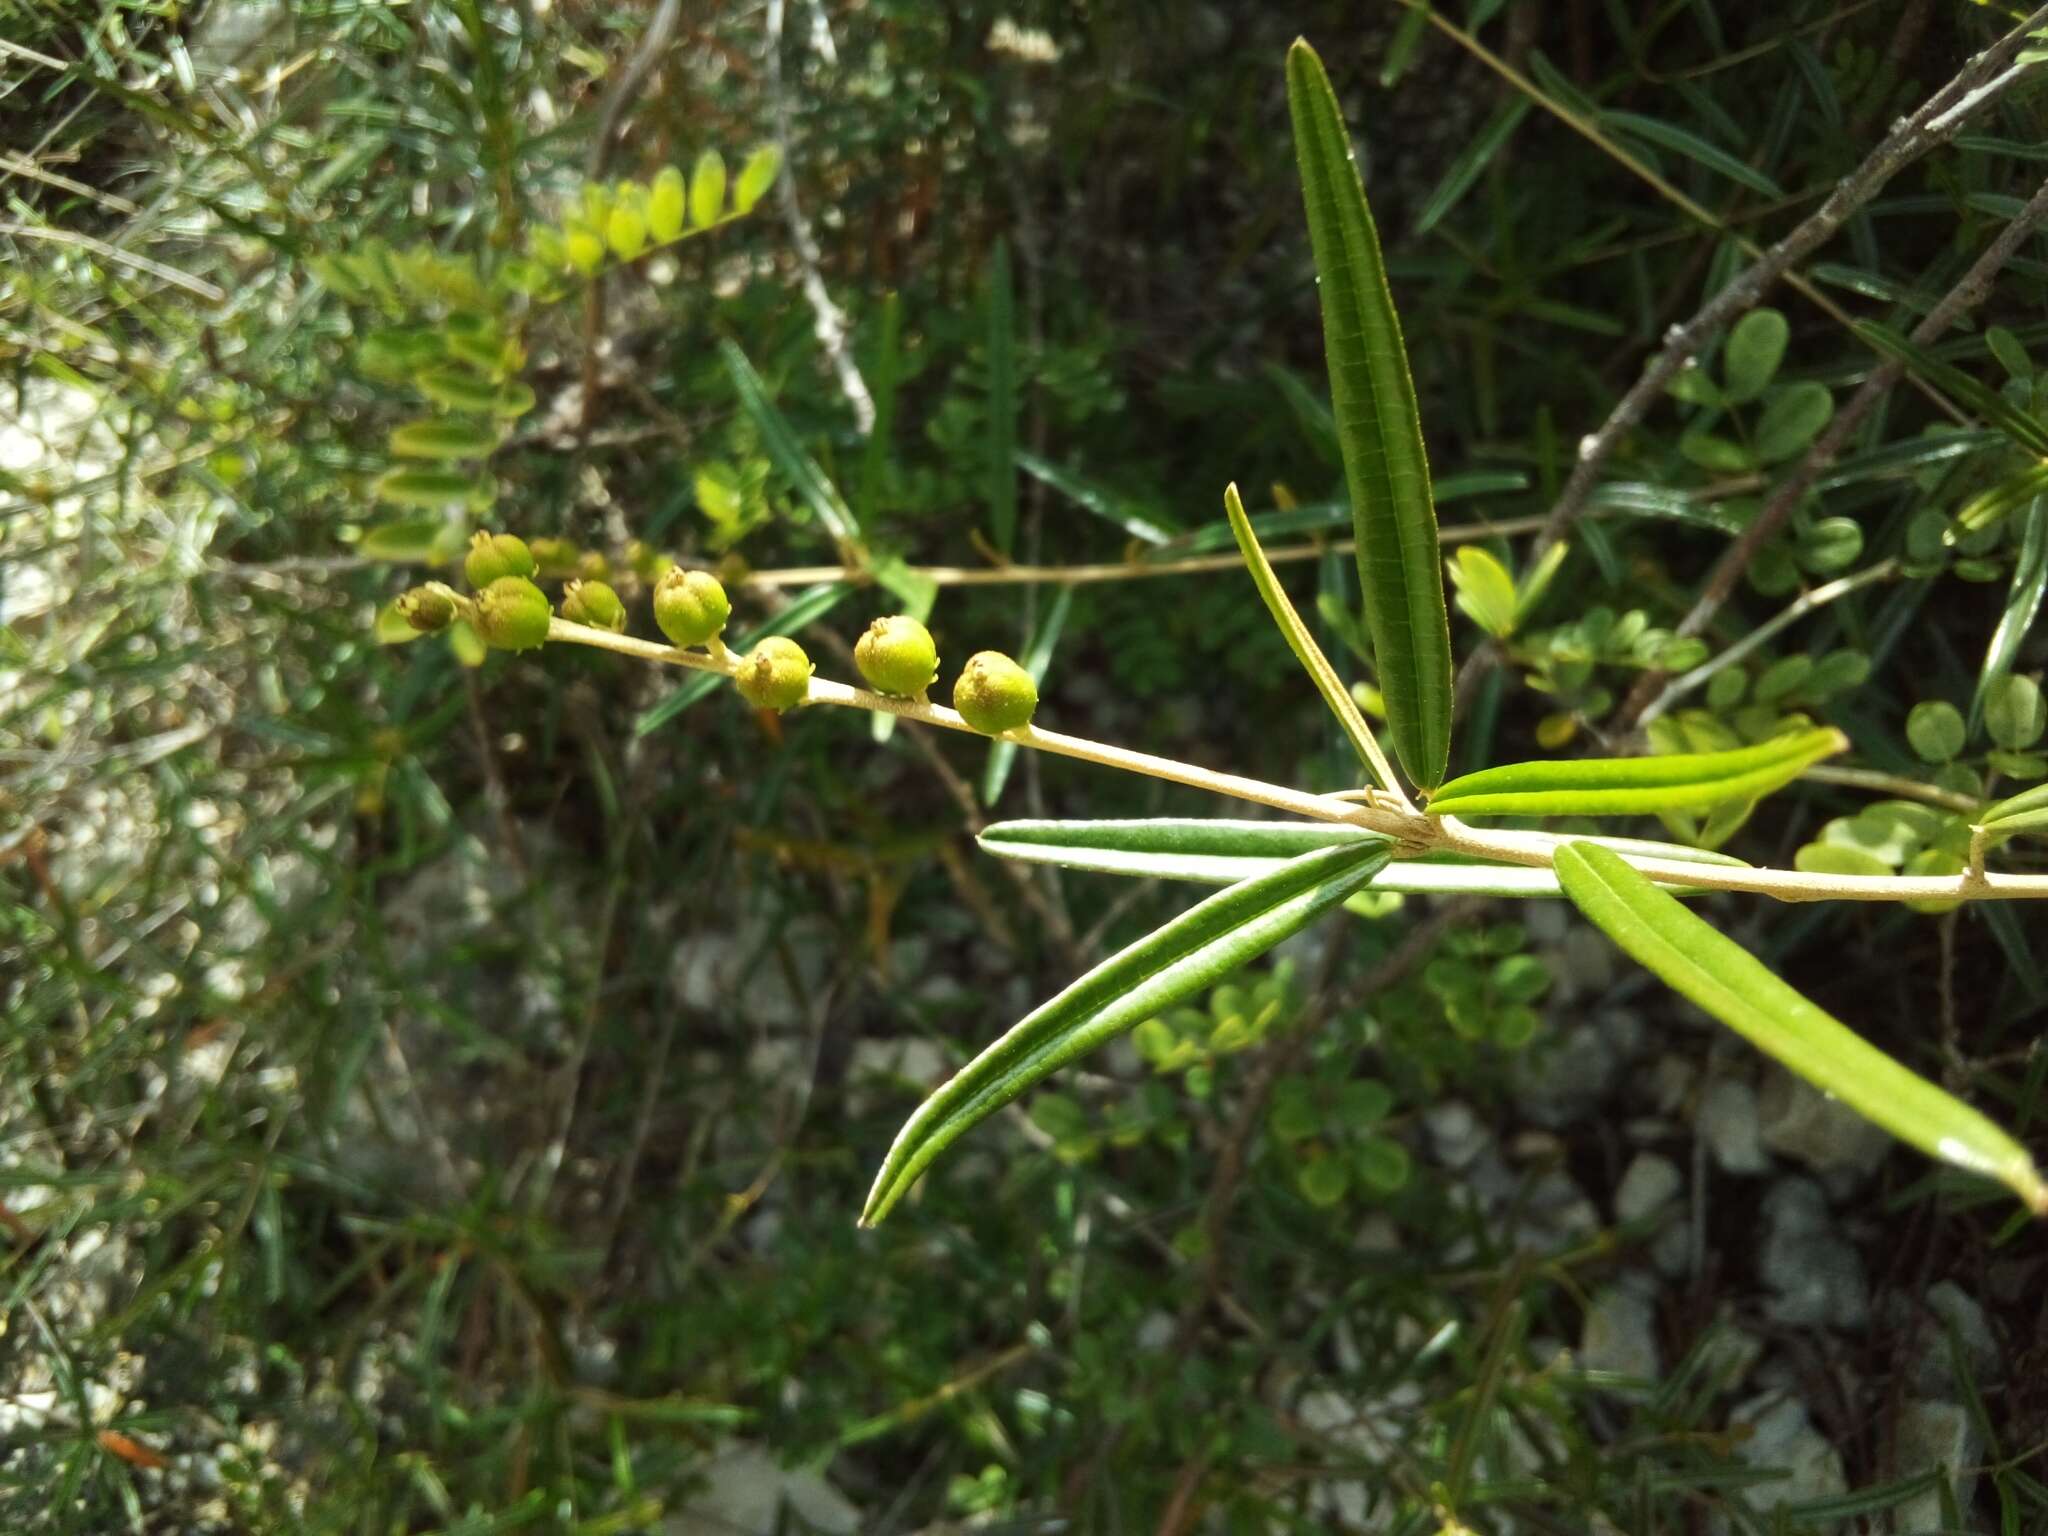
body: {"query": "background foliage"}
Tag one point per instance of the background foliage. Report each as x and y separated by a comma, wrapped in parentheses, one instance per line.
(437, 1097)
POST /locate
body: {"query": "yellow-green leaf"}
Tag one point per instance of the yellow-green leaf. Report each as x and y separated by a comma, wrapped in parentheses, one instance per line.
(707, 188)
(1619, 786)
(756, 177)
(1727, 981)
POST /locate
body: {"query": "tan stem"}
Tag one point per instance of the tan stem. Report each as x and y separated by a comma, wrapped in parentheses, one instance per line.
(1419, 832)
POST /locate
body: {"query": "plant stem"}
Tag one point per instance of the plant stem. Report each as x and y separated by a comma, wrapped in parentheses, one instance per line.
(1413, 832)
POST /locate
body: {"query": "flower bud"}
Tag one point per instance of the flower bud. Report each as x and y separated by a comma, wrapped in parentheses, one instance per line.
(690, 606)
(591, 565)
(595, 604)
(512, 614)
(776, 674)
(647, 562)
(427, 609)
(994, 694)
(896, 655)
(492, 555)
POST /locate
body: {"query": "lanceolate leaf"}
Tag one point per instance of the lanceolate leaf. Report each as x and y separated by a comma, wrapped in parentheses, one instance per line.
(1739, 990)
(2022, 603)
(1217, 852)
(1186, 956)
(1993, 407)
(2024, 812)
(1619, 786)
(782, 446)
(1304, 646)
(1378, 432)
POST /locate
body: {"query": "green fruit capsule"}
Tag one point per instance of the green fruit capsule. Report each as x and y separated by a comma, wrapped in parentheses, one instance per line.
(776, 674)
(595, 604)
(512, 614)
(896, 655)
(994, 694)
(556, 557)
(690, 606)
(492, 555)
(427, 609)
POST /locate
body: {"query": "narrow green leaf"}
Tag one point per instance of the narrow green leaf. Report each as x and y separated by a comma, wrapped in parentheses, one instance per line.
(1535, 582)
(1987, 403)
(1313, 517)
(780, 442)
(707, 189)
(1216, 852)
(2023, 813)
(1738, 989)
(1002, 403)
(1378, 430)
(1645, 500)
(1471, 161)
(804, 609)
(2022, 603)
(884, 373)
(1188, 955)
(1991, 506)
(393, 628)
(1684, 142)
(1037, 659)
(1303, 644)
(1618, 786)
(443, 437)
(1093, 496)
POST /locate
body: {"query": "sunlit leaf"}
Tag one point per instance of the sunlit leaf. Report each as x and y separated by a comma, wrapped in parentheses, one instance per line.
(2022, 603)
(1727, 981)
(1618, 786)
(1378, 430)
(1303, 644)
(707, 188)
(779, 440)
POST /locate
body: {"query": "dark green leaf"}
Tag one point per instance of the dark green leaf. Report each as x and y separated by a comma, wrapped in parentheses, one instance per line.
(1002, 403)
(1680, 141)
(1189, 955)
(782, 446)
(1378, 430)
(2022, 602)
(1037, 659)
(1093, 496)
(1987, 403)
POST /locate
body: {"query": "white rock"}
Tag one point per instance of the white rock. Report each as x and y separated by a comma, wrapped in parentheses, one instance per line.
(1933, 1434)
(1818, 1278)
(1781, 1438)
(1728, 1120)
(748, 1491)
(1651, 1183)
(1620, 1333)
(1455, 1134)
(1559, 1087)
(1797, 1120)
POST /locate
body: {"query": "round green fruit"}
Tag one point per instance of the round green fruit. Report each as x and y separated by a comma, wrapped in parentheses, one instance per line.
(512, 614)
(492, 555)
(776, 674)
(994, 694)
(690, 606)
(896, 655)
